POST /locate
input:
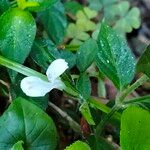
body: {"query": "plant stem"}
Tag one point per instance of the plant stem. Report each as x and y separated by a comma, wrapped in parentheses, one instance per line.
(20, 68)
(99, 105)
(101, 125)
(131, 88)
(119, 102)
(72, 47)
(73, 124)
(137, 100)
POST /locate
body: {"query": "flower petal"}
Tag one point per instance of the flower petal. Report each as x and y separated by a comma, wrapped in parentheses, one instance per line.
(58, 84)
(56, 68)
(35, 87)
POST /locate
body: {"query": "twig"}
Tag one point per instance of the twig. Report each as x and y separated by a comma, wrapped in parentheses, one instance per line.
(73, 124)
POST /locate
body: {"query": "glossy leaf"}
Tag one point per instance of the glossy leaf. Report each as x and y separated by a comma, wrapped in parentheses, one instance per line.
(24, 121)
(143, 64)
(43, 4)
(43, 52)
(84, 86)
(69, 57)
(17, 33)
(86, 54)
(54, 21)
(135, 131)
(78, 145)
(114, 58)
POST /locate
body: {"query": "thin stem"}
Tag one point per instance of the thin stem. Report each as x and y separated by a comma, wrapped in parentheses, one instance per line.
(73, 124)
(119, 102)
(102, 123)
(101, 88)
(131, 88)
(99, 105)
(20, 68)
(138, 100)
(72, 47)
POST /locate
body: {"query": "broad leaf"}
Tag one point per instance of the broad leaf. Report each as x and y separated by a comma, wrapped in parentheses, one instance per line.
(43, 4)
(86, 54)
(144, 62)
(43, 52)
(24, 121)
(69, 57)
(78, 145)
(54, 21)
(135, 131)
(4, 5)
(84, 86)
(114, 57)
(17, 33)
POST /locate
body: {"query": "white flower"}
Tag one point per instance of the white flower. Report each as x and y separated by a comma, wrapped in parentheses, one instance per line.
(36, 87)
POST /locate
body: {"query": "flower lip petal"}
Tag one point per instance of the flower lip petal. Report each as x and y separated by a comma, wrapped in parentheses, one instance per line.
(58, 84)
(56, 68)
(35, 87)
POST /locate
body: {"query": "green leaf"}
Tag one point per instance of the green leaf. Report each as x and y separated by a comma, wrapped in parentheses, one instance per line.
(17, 33)
(99, 4)
(43, 52)
(78, 145)
(54, 21)
(72, 7)
(86, 54)
(99, 143)
(24, 121)
(114, 58)
(84, 86)
(135, 131)
(95, 4)
(43, 4)
(85, 16)
(85, 110)
(143, 64)
(69, 57)
(18, 146)
(76, 34)
(89, 13)
(129, 22)
(116, 10)
(4, 5)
